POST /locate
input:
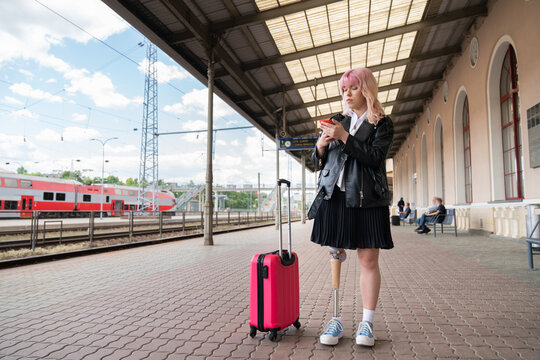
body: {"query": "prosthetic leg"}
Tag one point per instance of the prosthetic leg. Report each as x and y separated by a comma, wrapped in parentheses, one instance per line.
(334, 330)
(338, 256)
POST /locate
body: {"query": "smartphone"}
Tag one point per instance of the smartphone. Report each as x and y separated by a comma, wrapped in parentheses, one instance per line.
(328, 121)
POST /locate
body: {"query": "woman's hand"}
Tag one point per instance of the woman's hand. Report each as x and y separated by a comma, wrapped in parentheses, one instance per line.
(335, 131)
(322, 143)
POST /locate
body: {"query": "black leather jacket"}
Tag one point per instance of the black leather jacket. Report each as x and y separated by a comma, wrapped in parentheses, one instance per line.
(364, 158)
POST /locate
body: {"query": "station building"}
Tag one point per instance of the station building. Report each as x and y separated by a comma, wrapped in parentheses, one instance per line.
(477, 142)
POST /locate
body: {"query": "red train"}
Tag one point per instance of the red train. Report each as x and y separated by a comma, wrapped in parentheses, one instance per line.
(23, 192)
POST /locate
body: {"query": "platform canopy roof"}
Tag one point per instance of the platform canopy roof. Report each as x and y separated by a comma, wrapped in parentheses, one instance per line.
(272, 51)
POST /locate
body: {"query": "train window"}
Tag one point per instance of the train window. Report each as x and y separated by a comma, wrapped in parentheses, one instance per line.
(27, 184)
(10, 205)
(1, 205)
(87, 198)
(60, 197)
(131, 192)
(48, 196)
(118, 191)
(10, 182)
(107, 198)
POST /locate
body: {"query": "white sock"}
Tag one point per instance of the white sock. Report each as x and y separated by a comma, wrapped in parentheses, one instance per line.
(368, 315)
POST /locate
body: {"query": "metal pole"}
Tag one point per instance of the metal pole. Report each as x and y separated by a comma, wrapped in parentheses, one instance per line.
(208, 239)
(303, 189)
(102, 175)
(183, 221)
(160, 223)
(130, 217)
(91, 227)
(259, 194)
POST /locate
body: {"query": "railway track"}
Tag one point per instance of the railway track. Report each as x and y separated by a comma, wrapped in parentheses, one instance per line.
(27, 243)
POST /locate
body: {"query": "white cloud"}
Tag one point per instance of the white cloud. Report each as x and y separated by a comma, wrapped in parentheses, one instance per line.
(73, 134)
(79, 117)
(220, 142)
(196, 102)
(25, 113)
(231, 122)
(98, 87)
(48, 135)
(26, 73)
(165, 73)
(12, 100)
(235, 143)
(27, 29)
(51, 80)
(26, 90)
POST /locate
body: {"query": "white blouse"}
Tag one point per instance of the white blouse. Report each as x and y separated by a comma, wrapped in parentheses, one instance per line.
(355, 124)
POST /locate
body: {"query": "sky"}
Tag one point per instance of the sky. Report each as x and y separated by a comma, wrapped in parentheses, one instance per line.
(71, 71)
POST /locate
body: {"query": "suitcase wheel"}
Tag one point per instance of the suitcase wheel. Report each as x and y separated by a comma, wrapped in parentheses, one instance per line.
(252, 331)
(297, 324)
(273, 335)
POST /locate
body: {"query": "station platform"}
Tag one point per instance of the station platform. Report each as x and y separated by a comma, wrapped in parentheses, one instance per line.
(445, 297)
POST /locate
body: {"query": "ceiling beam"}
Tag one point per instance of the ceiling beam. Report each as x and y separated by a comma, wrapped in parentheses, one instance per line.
(237, 21)
(320, 81)
(339, 98)
(190, 21)
(479, 10)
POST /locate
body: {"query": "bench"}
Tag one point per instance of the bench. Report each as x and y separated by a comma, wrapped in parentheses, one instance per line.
(530, 248)
(411, 219)
(449, 220)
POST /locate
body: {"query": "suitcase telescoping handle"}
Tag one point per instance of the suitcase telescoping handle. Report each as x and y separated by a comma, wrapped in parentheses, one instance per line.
(279, 182)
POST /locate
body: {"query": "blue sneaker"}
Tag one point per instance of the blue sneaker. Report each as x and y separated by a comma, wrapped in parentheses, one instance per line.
(364, 336)
(332, 333)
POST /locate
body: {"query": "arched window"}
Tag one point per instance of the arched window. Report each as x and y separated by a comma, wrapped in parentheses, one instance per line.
(438, 158)
(511, 134)
(467, 151)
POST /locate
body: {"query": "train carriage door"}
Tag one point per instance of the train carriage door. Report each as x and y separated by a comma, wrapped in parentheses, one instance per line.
(27, 203)
(117, 207)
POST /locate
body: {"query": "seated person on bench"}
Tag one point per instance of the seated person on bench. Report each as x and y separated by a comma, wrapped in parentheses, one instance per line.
(405, 214)
(437, 209)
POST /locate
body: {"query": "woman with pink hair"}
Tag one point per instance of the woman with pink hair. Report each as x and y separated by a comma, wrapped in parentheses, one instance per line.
(351, 210)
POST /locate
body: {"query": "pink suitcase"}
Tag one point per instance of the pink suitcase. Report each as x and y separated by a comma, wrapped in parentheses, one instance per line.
(274, 295)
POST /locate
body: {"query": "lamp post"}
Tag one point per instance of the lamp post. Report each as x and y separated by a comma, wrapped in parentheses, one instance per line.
(102, 142)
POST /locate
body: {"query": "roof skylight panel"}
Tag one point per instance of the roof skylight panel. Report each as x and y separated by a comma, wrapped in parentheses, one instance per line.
(359, 17)
(338, 15)
(311, 67)
(296, 70)
(326, 63)
(382, 96)
(317, 19)
(358, 56)
(416, 11)
(392, 94)
(398, 74)
(399, 13)
(385, 77)
(378, 19)
(300, 31)
(280, 33)
(388, 109)
(391, 48)
(406, 45)
(342, 59)
(270, 4)
(374, 53)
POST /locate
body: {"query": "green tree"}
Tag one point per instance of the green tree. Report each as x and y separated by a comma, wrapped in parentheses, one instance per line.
(21, 170)
(132, 182)
(241, 199)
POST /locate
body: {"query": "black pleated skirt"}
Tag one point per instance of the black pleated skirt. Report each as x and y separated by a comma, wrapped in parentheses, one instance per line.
(351, 228)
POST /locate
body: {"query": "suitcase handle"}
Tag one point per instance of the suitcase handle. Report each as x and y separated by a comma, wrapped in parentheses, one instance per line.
(279, 182)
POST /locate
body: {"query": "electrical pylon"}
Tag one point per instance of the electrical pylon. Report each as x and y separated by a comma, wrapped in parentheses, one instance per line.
(147, 198)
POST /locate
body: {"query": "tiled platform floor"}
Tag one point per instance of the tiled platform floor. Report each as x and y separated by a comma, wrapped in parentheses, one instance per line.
(471, 297)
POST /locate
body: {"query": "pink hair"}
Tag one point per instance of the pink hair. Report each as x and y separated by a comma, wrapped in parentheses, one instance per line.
(363, 77)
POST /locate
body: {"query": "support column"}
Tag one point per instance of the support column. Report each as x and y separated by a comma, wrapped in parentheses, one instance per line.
(303, 189)
(208, 209)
